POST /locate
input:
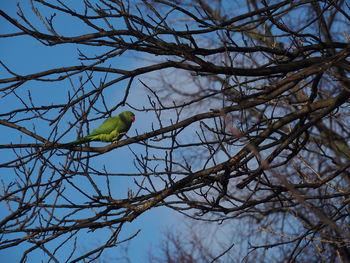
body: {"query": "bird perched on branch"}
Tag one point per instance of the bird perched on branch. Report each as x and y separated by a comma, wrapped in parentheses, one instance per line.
(110, 130)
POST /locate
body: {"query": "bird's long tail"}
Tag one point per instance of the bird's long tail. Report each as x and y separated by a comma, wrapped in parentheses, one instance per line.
(78, 141)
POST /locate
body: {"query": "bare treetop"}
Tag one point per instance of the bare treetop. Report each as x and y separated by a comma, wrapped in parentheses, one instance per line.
(241, 117)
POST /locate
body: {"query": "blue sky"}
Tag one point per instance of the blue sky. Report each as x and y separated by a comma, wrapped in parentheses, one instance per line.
(25, 55)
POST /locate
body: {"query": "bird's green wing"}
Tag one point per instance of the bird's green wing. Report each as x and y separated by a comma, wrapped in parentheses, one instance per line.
(107, 126)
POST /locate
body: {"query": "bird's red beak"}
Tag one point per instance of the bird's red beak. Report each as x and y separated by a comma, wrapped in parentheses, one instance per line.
(133, 118)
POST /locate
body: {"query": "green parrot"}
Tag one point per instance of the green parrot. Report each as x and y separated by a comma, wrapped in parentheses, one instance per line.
(110, 130)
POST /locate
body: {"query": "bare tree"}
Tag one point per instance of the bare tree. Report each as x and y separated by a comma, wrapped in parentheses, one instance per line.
(250, 107)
